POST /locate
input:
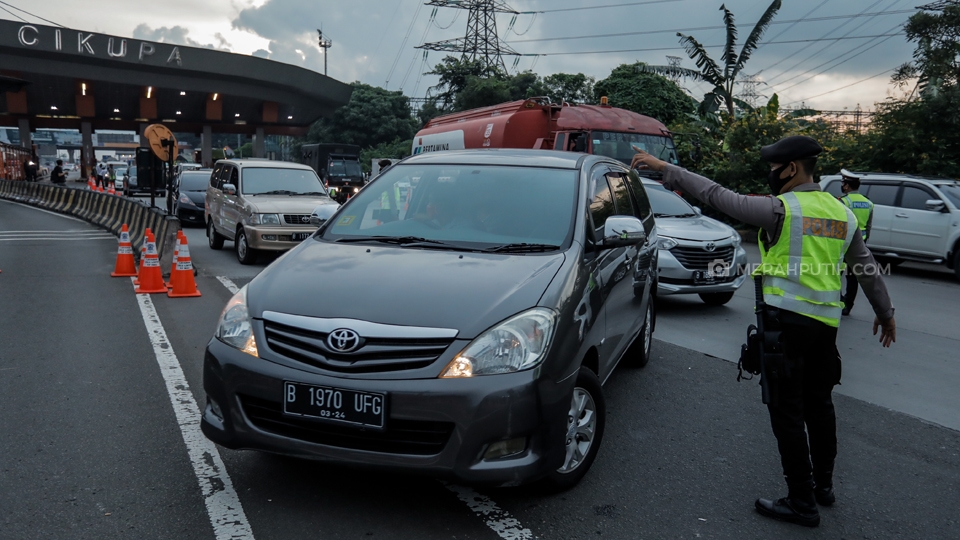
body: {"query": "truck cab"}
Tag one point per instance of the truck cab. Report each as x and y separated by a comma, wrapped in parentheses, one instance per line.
(338, 166)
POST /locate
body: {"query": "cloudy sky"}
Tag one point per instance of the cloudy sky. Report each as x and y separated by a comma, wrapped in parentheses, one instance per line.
(817, 55)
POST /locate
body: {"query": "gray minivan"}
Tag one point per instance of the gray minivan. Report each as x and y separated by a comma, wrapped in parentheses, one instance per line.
(482, 298)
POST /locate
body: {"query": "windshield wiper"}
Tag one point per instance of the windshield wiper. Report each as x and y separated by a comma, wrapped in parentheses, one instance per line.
(277, 192)
(522, 247)
(311, 193)
(656, 215)
(405, 241)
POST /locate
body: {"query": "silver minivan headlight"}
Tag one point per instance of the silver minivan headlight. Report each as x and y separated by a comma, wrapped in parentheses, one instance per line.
(521, 342)
(236, 327)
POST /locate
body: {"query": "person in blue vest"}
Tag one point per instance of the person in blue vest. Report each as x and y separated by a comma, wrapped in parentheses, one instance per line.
(805, 235)
(861, 207)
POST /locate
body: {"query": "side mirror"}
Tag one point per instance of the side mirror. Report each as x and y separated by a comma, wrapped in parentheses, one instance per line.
(322, 213)
(623, 231)
(229, 189)
(936, 205)
(698, 210)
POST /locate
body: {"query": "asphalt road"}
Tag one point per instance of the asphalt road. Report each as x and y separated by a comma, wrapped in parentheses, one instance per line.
(94, 446)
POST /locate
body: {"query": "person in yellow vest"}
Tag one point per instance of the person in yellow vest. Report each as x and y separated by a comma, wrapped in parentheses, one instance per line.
(390, 204)
(805, 236)
(863, 209)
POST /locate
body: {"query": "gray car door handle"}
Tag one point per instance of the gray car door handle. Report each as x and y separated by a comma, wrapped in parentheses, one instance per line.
(902, 215)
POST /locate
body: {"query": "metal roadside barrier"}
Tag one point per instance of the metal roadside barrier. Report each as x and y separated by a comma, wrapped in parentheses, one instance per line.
(107, 211)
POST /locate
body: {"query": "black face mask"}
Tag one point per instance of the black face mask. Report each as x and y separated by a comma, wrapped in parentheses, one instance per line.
(775, 182)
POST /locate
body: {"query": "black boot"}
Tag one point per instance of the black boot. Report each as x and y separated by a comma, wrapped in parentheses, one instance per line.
(823, 491)
(798, 507)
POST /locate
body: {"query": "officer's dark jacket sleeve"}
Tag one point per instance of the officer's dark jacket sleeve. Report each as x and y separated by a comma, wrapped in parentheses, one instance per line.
(861, 262)
(764, 212)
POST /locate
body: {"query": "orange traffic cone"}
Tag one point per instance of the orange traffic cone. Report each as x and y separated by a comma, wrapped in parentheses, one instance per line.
(91, 184)
(100, 188)
(151, 278)
(173, 265)
(184, 285)
(111, 190)
(126, 266)
(143, 255)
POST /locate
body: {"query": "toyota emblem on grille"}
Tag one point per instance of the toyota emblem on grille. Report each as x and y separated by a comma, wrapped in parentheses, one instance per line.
(343, 340)
(710, 247)
(305, 219)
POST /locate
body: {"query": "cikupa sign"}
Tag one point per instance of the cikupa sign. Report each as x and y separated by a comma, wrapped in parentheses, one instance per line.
(51, 39)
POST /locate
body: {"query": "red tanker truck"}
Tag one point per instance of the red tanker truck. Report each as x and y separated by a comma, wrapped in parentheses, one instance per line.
(536, 123)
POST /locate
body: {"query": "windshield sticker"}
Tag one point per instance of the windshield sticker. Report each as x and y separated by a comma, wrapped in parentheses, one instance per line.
(345, 220)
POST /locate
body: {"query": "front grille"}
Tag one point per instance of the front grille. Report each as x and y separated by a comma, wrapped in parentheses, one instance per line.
(411, 437)
(697, 258)
(296, 219)
(375, 355)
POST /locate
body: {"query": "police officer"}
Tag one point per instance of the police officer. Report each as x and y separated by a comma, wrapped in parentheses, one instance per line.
(805, 235)
(861, 207)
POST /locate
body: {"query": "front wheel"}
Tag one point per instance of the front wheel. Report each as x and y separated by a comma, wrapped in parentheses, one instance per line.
(245, 254)
(716, 298)
(585, 422)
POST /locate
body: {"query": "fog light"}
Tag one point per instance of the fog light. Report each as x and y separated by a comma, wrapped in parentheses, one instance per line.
(269, 237)
(509, 447)
(215, 408)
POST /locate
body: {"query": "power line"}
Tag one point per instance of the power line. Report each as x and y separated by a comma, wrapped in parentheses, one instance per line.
(12, 13)
(560, 10)
(843, 87)
(831, 67)
(389, 24)
(30, 14)
(787, 29)
(402, 45)
(693, 29)
(888, 35)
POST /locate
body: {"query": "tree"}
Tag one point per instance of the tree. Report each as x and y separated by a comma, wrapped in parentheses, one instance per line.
(373, 116)
(396, 150)
(569, 88)
(723, 80)
(634, 89)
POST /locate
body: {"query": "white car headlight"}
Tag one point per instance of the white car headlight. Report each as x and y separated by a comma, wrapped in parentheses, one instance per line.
(736, 239)
(236, 327)
(521, 342)
(666, 243)
(263, 219)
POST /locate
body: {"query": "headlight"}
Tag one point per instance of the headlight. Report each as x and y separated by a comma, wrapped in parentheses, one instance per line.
(518, 343)
(264, 219)
(356, 190)
(736, 239)
(235, 327)
(666, 243)
(185, 200)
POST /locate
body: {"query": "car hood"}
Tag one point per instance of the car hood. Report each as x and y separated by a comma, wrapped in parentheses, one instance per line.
(286, 204)
(700, 228)
(195, 196)
(469, 292)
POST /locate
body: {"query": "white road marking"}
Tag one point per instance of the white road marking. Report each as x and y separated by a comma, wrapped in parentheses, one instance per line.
(230, 285)
(55, 236)
(223, 505)
(500, 521)
(42, 210)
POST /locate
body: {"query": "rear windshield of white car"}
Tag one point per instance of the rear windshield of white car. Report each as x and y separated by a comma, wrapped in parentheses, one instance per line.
(666, 204)
(470, 206)
(266, 181)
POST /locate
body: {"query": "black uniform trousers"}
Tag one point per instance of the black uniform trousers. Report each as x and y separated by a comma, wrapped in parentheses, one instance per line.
(804, 421)
(851, 293)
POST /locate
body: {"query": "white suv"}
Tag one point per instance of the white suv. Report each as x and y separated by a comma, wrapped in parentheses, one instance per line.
(914, 218)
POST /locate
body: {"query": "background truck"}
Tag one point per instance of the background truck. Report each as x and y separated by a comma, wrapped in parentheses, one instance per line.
(338, 166)
(537, 123)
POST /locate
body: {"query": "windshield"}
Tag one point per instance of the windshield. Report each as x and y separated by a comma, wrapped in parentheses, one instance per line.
(194, 181)
(952, 193)
(132, 172)
(344, 168)
(667, 203)
(619, 146)
(260, 180)
(463, 205)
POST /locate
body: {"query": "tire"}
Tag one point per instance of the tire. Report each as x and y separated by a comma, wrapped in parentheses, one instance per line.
(245, 254)
(638, 355)
(214, 239)
(586, 420)
(716, 298)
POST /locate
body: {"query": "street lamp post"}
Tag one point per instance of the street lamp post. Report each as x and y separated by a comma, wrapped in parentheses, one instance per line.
(325, 45)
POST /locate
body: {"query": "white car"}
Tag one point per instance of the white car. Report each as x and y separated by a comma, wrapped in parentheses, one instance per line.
(914, 218)
(697, 254)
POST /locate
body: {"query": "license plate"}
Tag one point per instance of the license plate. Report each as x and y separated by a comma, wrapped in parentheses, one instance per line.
(366, 409)
(300, 236)
(704, 277)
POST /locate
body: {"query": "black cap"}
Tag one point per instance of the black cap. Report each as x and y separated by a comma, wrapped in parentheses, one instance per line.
(791, 148)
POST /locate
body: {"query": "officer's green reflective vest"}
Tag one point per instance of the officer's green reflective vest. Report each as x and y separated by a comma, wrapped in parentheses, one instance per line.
(802, 271)
(862, 208)
(386, 203)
